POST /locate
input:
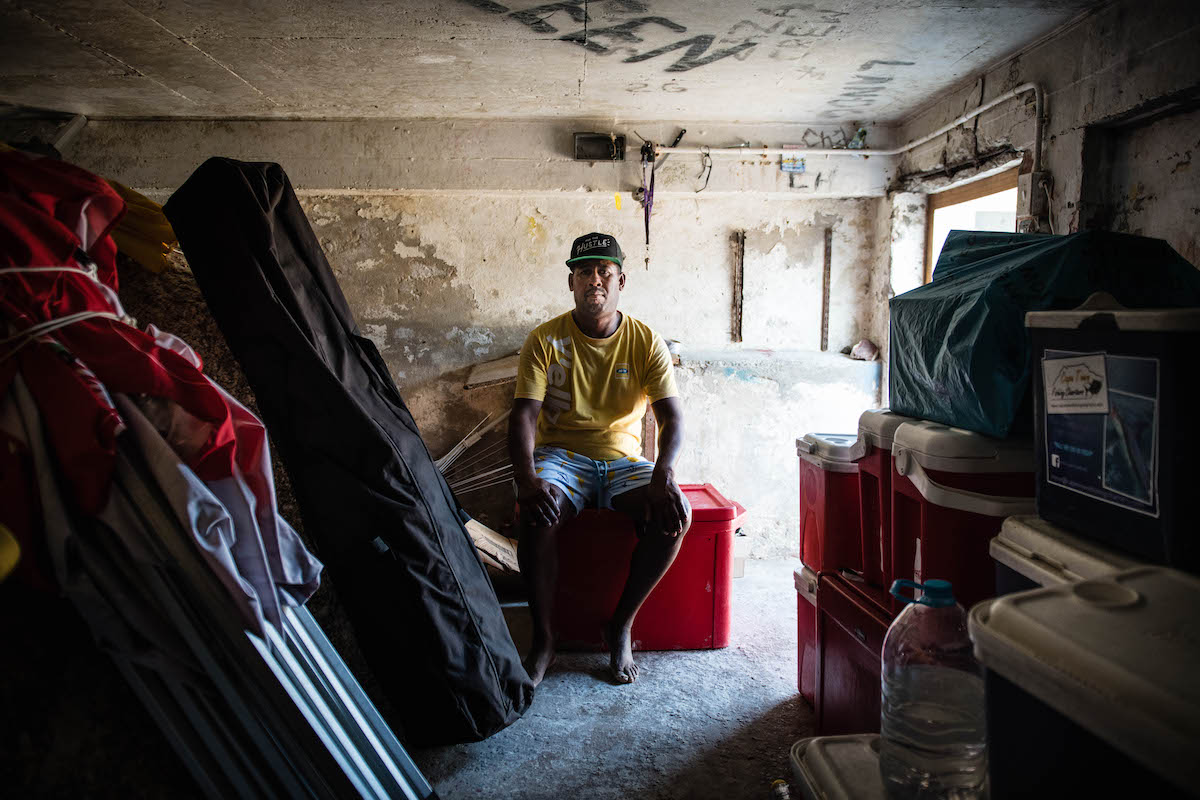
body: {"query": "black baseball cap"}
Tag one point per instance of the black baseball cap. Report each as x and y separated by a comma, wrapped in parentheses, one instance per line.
(596, 245)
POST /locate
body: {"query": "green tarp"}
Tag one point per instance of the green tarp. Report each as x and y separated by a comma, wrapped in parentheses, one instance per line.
(960, 353)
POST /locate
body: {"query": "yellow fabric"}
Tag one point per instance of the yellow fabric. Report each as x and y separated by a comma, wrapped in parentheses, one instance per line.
(10, 552)
(594, 391)
(143, 234)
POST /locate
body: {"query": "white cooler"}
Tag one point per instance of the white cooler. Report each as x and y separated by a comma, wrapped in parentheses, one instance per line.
(838, 767)
(951, 490)
(1030, 552)
(1092, 687)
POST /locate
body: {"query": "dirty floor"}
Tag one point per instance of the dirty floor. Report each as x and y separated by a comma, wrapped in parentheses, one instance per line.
(696, 724)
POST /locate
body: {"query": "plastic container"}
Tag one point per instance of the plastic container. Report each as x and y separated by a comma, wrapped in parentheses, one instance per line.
(830, 534)
(806, 633)
(1114, 392)
(1030, 552)
(1091, 687)
(852, 619)
(838, 767)
(933, 735)
(951, 490)
(876, 429)
(688, 609)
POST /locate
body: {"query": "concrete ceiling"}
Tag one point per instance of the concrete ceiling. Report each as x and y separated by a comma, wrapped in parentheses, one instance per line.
(741, 60)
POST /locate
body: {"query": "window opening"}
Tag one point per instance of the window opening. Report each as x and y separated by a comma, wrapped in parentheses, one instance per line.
(985, 205)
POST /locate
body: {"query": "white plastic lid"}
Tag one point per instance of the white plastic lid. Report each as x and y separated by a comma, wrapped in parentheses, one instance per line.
(806, 583)
(834, 452)
(877, 427)
(1048, 555)
(831, 446)
(838, 767)
(1119, 655)
(940, 447)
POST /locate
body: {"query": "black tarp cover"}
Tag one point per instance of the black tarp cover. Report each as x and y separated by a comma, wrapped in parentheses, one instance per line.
(378, 510)
(960, 353)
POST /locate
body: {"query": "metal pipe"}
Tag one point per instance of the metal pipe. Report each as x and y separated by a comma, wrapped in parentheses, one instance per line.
(767, 152)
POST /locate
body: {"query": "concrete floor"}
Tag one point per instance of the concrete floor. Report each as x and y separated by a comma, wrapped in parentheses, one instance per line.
(696, 724)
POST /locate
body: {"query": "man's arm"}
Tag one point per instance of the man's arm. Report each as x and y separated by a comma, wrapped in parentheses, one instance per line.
(535, 495)
(664, 502)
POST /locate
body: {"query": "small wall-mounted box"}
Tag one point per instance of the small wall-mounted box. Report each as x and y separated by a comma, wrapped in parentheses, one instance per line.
(599, 147)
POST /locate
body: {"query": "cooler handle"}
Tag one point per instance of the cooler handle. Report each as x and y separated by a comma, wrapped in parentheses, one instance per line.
(959, 499)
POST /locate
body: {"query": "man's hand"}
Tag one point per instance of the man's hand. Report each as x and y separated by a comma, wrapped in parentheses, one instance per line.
(537, 499)
(665, 507)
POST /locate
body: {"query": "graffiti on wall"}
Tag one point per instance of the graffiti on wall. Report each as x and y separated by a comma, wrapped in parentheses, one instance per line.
(632, 33)
(865, 86)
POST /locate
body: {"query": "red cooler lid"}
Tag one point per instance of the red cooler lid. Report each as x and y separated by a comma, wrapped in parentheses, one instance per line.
(709, 505)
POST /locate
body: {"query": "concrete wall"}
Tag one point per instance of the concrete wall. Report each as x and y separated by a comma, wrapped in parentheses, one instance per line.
(1111, 72)
(448, 239)
(1139, 180)
(744, 412)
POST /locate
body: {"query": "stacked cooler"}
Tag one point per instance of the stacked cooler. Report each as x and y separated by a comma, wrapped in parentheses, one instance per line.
(1044, 456)
(905, 498)
(1090, 647)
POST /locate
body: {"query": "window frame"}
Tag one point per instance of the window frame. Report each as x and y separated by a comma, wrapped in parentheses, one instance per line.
(993, 184)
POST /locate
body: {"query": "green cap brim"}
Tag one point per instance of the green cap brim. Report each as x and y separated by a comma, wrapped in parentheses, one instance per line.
(616, 261)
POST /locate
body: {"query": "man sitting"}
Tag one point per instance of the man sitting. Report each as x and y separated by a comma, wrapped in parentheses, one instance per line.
(574, 436)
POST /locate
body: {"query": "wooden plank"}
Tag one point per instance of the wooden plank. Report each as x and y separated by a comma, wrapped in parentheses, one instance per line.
(974, 190)
(649, 434)
(739, 278)
(825, 289)
(491, 373)
(500, 550)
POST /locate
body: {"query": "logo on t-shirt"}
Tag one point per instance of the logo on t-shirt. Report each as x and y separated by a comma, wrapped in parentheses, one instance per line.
(558, 395)
(622, 371)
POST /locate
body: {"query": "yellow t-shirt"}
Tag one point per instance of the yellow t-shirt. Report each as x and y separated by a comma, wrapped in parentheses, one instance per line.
(594, 391)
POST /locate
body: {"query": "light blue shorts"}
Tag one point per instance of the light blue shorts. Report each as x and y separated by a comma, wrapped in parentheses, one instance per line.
(588, 482)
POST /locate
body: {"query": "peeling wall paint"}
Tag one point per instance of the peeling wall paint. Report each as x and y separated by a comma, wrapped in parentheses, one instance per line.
(1127, 59)
(445, 282)
(1142, 181)
(449, 281)
(471, 157)
(441, 279)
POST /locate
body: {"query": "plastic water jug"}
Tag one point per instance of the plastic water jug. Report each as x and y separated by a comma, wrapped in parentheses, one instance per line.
(932, 712)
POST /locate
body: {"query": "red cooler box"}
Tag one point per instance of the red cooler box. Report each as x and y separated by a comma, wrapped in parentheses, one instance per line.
(806, 633)
(876, 428)
(852, 619)
(688, 610)
(951, 490)
(830, 535)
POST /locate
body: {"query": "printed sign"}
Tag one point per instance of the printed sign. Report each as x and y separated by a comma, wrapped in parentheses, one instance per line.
(1101, 424)
(1075, 385)
(791, 161)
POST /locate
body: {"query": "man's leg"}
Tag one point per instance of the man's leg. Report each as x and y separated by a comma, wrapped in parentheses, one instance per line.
(537, 553)
(652, 557)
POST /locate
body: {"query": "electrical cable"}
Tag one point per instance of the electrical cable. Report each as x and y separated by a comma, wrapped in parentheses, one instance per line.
(1049, 209)
(705, 162)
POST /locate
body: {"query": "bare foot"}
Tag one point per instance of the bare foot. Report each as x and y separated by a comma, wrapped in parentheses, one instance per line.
(620, 648)
(539, 659)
